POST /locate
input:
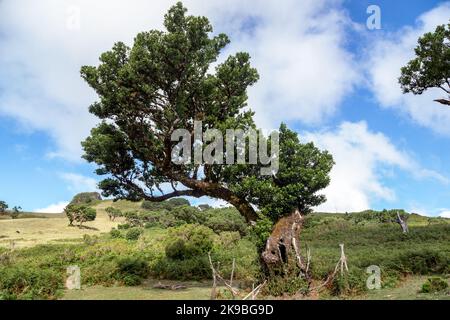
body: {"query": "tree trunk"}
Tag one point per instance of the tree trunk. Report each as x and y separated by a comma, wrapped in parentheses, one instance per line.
(282, 247)
(402, 223)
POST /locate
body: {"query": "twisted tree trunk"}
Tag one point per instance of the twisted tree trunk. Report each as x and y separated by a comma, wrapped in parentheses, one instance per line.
(282, 247)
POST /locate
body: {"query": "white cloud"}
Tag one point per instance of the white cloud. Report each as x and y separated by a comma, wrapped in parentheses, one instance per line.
(393, 51)
(294, 46)
(54, 208)
(445, 214)
(79, 183)
(360, 156)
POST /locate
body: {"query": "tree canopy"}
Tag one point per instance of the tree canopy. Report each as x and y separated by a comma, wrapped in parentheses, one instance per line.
(431, 66)
(3, 206)
(164, 82)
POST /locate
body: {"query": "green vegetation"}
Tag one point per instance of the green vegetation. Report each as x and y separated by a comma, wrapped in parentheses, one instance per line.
(80, 214)
(130, 256)
(430, 68)
(434, 284)
(3, 207)
(113, 213)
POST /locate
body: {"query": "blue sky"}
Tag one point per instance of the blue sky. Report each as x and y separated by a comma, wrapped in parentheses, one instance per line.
(322, 71)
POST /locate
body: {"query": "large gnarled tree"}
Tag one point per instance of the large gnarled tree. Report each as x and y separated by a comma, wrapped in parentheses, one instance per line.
(163, 83)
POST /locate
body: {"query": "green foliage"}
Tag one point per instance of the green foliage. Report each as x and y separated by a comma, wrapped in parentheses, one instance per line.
(115, 234)
(224, 219)
(113, 213)
(80, 213)
(426, 261)
(187, 269)
(430, 68)
(3, 207)
(165, 205)
(86, 198)
(280, 286)
(90, 240)
(348, 284)
(189, 241)
(133, 234)
(261, 231)
(384, 216)
(15, 212)
(131, 271)
(434, 284)
(27, 282)
(165, 78)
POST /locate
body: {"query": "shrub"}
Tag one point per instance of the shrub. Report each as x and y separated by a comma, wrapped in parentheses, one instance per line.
(90, 240)
(434, 284)
(289, 285)
(226, 219)
(352, 283)
(20, 282)
(115, 234)
(196, 268)
(133, 218)
(228, 239)
(422, 262)
(124, 226)
(131, 271)
(176, 250)
(197, 240)
(189, 215)
(168, 204)
(133, 234)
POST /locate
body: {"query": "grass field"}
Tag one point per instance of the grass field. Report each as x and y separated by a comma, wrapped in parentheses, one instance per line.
(409, 289)
(47, 228)
(194, 291)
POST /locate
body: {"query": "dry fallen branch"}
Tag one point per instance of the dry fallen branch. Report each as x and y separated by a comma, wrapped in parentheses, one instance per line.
(159, 285)
(341, 264)
(234, 292)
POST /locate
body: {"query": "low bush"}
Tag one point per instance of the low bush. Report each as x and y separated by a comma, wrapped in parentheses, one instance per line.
(288, 285)
(189, 241)
(133, 234)
(131, 271)
(348, 284)
(115, 234)
(25, 282)
(422, 262)
(196, 268)
(434, 284)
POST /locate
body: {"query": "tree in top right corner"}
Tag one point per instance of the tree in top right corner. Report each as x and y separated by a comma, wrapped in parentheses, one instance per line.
(431, 66)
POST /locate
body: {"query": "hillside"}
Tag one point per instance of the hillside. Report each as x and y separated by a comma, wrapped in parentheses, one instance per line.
(46, 243)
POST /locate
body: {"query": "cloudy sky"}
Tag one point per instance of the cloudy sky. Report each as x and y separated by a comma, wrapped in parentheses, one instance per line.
(323, 71)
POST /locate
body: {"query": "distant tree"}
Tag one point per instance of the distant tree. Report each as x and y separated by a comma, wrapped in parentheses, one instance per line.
(80, 214)
(3, 207)
(113, 213)
(431, 66)
(15, 212)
